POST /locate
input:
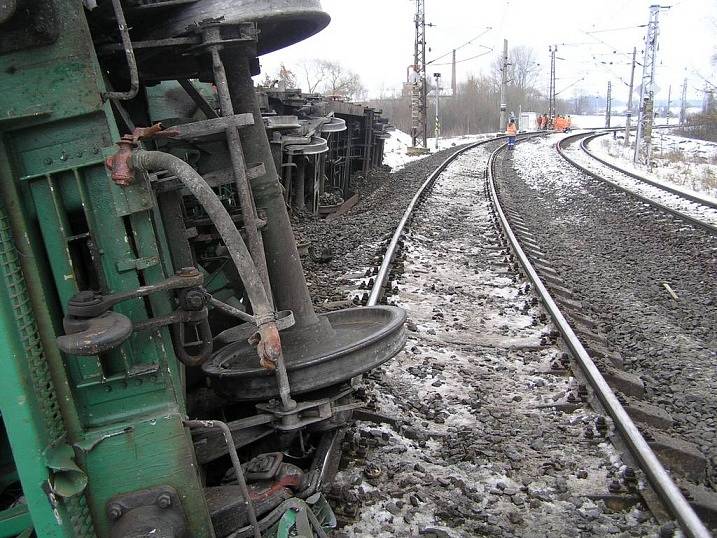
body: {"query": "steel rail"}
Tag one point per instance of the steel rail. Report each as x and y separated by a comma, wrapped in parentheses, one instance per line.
(668, 492)
(689, 196)
(384, 270)
(692, 220)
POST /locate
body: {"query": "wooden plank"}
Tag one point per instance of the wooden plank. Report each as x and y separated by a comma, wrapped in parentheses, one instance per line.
(345, 208)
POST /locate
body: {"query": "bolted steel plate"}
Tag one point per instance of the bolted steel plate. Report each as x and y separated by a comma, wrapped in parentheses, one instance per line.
(354, 341)
(281, 22)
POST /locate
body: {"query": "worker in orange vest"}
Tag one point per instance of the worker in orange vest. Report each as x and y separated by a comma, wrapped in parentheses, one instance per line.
(511, 130)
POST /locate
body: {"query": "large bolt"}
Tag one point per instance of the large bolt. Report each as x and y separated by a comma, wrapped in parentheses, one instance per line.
(114, 512)
(188, 271)
(194, 300)
(164, 501)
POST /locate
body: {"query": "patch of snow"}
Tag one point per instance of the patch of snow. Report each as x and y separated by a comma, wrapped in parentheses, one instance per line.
(681, 162)
(396, 148)
(593, 121)
(539, 165)
(673, 201)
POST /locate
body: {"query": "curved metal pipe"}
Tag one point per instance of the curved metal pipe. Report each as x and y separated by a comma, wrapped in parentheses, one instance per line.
(129, 54)
(231, 446)
(207, 198)
(659, 478)
(267, 338)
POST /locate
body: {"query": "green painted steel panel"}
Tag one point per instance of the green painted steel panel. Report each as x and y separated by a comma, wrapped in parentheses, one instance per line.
(24, 411)
(154, 451)
(55, 132)
(14, 520)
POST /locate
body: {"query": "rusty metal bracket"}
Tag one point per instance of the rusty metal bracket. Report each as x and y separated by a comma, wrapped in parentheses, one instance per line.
(120, 164)
(211, 126)
(308, 412)
(93, 328)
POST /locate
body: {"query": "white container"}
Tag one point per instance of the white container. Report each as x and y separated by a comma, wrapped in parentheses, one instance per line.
(528, 121)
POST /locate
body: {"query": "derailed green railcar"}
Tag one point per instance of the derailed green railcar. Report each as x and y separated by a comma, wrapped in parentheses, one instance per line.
(154, 317)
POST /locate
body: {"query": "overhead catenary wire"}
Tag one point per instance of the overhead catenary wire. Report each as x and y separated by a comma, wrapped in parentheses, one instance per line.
(470, 41)
(616, 29)
(570, 86)
(709, 82)
(611, 47)
(466, 59)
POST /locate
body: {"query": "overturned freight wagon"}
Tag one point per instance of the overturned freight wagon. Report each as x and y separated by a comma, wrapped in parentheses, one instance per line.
(164, 372)
(319, 143)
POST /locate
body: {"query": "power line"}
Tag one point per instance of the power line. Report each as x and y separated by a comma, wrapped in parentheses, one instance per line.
(570, 86)
(578, 44)
(704, 79)
(600, 40)
(466, 59)
(471, 40)
(616, 29)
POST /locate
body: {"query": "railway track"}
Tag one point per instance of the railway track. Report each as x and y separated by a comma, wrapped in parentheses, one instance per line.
(659, 478)
(696, 210)
(525, 256)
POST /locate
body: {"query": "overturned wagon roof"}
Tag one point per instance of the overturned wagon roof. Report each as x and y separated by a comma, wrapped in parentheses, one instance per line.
(281, 22)
(342, 107)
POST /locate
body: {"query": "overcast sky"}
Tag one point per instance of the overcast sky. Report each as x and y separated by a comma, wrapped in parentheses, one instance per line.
(375, 39)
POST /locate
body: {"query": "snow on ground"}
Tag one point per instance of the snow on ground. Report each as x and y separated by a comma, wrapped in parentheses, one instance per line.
(540, 167)
(686, 163)
(592, 121)
(697, 211)
(479, 449)
(395, 150)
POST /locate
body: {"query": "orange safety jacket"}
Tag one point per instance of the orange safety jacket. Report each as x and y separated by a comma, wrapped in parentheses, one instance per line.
(511, 129)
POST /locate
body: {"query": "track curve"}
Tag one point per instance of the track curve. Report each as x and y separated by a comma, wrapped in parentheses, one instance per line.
(703, 216)
(659, 478)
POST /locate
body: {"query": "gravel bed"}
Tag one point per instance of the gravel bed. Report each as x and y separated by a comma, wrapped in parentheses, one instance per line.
(354, 238)
(474, 452)
(700, 212)
(617, 254)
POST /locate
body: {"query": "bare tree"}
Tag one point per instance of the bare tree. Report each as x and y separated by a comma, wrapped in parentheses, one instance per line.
(314, 74)
(580, 103)
(523, 70)
(522, 73)
(341, 81)
(284, 75)
(332, 78)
